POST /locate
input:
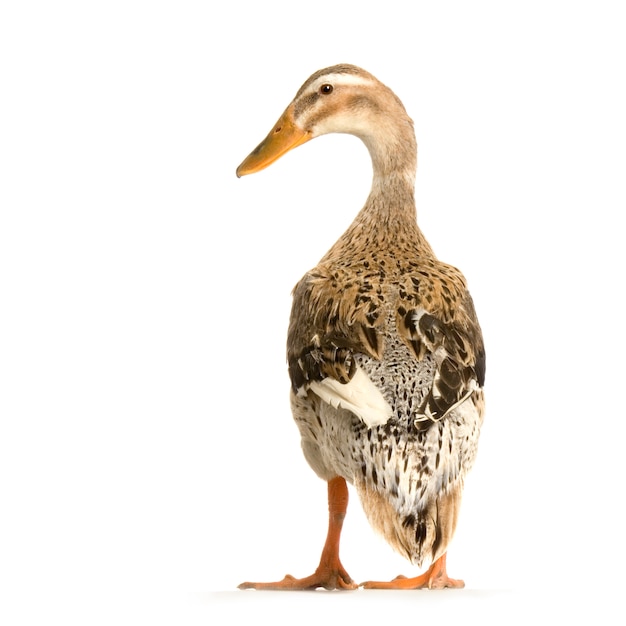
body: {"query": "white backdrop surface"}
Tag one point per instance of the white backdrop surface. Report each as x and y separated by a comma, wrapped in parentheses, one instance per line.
(148, 461)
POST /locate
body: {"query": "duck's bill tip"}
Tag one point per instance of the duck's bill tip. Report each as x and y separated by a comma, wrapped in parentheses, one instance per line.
(249, 167)
(283, 137)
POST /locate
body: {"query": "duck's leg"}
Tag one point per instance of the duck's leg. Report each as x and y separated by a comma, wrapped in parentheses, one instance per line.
(330, 573)
(435, 577)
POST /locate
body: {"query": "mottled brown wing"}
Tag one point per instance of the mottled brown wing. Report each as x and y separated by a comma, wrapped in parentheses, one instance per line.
(458, 350)
(330, 320)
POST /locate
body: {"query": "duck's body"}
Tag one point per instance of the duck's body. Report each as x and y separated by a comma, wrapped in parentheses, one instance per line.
(385, 353)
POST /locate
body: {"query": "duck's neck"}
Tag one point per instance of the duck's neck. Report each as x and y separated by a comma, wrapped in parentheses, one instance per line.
(388, 221)
(393, 150)
(394, 157)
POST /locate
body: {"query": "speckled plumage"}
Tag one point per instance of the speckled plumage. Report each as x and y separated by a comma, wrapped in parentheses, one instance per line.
(380, 304)
(360, 306)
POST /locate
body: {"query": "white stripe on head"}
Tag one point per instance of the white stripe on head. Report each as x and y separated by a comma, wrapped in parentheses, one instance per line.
(340, 78)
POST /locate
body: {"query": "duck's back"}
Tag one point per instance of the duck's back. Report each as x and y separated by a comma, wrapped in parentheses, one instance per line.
(355, 322)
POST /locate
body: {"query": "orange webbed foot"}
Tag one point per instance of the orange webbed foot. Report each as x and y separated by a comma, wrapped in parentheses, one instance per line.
(330, 573)
(327, 578)
(435, 577)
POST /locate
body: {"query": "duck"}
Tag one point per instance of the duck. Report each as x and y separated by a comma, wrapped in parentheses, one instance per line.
(385, 353)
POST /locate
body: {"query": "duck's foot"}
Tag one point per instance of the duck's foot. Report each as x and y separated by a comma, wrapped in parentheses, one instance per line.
(330, 573)
(433, 578)
(326, 577)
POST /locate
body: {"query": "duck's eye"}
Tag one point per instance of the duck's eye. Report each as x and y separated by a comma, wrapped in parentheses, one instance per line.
(325, 89)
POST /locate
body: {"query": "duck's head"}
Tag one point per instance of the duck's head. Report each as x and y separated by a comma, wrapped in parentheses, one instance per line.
(342, 99)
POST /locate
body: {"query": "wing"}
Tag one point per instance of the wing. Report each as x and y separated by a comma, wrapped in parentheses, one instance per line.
(332, 318)
(443, 323)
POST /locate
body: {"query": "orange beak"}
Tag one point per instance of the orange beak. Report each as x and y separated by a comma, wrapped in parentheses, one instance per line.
(283, 137)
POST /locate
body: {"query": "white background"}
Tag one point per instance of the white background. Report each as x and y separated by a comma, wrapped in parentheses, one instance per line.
(148, 461)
